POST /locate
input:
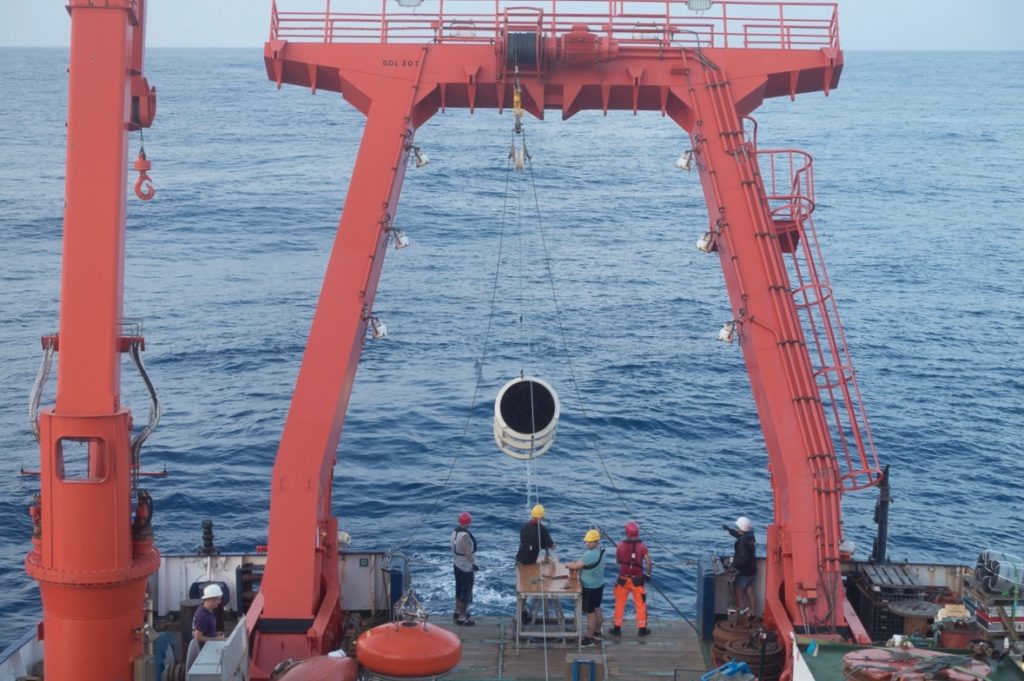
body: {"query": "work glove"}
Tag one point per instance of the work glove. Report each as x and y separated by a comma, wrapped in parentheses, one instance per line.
(476, 568)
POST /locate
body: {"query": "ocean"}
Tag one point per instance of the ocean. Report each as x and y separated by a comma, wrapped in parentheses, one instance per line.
(920, 215)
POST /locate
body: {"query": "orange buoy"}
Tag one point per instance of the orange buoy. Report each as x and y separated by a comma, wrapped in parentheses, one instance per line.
(408, 650)
(322, 668)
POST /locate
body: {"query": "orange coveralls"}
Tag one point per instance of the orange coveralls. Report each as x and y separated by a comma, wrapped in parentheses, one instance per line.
(630, 555)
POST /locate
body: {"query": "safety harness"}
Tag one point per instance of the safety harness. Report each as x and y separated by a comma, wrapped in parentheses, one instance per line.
(455, 540)
(596, 562)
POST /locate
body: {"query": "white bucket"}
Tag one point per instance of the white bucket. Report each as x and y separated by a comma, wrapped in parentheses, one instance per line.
(525, 417)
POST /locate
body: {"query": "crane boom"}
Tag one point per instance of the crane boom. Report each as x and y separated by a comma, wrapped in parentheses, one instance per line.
(89, 558)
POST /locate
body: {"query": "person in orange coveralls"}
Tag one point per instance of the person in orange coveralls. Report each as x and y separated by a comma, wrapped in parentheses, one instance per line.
(634, 568)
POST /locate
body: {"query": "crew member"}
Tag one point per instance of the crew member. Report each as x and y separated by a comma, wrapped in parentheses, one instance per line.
(204, 622)
(464, 560)
(744, 565)
(591, 567)
(533, 537)
(634, 567)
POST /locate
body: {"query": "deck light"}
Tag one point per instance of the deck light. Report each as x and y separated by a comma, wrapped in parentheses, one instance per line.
(728, 332)
(409, 3)
(685, 161)
(421, 157)
(696, 5)
(706, 243)
(401, 240)
(377, 328)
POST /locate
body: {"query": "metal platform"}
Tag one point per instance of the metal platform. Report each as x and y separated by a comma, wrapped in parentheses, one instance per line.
(672, 651)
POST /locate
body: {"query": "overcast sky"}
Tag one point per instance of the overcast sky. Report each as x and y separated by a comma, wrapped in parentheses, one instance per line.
(865, 24)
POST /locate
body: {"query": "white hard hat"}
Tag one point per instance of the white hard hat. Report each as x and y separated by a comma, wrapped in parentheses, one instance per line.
(743, 523)
(212, 591)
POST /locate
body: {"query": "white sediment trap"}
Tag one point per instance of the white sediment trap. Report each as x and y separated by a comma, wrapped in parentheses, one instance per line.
(525, 417)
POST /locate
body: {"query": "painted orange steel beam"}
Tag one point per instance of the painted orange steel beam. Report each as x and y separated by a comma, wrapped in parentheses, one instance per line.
(803, 545)
(296, 613)
(707, 91)
(90, 566)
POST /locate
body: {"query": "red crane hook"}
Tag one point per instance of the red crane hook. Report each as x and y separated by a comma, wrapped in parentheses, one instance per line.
(144, 185)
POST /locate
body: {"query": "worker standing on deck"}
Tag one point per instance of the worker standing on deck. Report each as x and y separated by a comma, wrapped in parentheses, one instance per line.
(464, 560)
(591, 567)
(635, 567)
(744, 565)
(204, 622)
(533, 537)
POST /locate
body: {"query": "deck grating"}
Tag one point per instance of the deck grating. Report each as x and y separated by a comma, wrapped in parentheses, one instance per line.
(672, 651)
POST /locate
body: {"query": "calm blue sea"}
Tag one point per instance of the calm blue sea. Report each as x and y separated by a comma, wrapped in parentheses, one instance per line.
(920, 217)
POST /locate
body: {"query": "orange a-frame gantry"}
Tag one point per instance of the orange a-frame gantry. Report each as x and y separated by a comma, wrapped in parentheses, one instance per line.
(706, 70)
(90, 555)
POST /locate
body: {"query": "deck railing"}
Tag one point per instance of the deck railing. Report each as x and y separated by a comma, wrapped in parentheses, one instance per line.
(788, 176)
(665, 24)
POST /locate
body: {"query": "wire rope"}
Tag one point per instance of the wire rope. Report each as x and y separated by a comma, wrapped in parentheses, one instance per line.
(571, 365)
(479, 373)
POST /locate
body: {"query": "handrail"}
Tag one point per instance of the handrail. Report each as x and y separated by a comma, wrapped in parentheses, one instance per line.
(788, 176)
(740, 23)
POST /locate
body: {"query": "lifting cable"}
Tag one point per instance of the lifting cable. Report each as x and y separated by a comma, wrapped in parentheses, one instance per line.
(518, 157)
(565, 344)
(479, 378)
(520, 160)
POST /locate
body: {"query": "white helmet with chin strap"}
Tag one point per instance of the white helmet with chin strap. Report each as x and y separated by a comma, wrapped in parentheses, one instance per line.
(743, 523)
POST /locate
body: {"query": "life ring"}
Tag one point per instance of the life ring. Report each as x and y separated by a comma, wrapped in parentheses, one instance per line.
(408, 650)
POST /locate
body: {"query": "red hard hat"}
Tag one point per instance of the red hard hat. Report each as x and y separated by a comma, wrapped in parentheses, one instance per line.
(465, 518)
(632, 529)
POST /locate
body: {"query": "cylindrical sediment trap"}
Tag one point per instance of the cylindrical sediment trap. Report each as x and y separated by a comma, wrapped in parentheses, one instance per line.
(525, 417)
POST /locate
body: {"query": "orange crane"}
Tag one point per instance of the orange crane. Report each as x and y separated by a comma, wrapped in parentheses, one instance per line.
(706, 66)
(90, 554)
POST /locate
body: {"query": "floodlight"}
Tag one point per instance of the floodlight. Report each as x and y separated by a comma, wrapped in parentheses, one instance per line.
(685, 161)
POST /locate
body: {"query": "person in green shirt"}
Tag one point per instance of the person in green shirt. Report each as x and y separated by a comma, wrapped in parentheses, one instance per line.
(591, 567)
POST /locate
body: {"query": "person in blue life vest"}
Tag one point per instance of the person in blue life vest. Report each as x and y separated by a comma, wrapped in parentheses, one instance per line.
(464, 561)
(204, 622)
(635, 567)
(744, 565)
(591, 567)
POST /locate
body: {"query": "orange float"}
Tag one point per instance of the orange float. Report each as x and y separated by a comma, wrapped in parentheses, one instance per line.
(408, 650)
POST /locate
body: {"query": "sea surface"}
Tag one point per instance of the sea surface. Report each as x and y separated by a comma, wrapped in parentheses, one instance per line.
(920, 218)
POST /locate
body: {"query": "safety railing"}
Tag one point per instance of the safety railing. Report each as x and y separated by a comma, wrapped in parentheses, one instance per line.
(788, 177)
(668, 23)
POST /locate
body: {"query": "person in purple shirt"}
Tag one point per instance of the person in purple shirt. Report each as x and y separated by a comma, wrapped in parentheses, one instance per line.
(204, 623)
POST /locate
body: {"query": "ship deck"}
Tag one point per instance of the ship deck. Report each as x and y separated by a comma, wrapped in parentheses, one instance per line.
(672, 651)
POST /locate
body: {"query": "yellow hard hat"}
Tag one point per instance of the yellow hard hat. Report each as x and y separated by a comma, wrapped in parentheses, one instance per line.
(537, 512)
(592, 535)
